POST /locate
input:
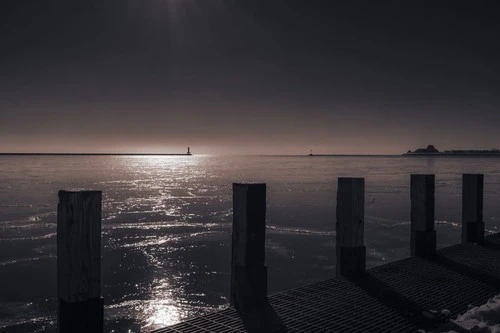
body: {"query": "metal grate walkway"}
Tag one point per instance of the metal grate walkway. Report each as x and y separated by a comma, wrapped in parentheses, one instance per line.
(401, 296)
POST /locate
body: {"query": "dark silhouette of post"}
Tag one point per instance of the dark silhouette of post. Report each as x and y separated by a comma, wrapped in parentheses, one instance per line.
(351, 252)
(423, 235)
(80, 306)
(248, 271)
(472, 208)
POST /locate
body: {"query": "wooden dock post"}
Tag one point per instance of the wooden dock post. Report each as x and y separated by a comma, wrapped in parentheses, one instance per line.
(423, 235)
(248, 271)
(80, 305)
(472, 208)
(351, 252)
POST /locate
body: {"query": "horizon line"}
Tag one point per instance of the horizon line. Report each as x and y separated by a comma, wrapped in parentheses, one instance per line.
(172, 154)
(97, 154)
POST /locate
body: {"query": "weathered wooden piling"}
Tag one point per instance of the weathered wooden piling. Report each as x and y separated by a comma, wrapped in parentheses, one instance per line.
(80, 305)
(351, 252)
(394, 297)
(248, 270)
(423, 235)
(472, 208)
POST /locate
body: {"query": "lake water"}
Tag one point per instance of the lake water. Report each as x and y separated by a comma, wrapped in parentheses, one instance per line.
(167, 226)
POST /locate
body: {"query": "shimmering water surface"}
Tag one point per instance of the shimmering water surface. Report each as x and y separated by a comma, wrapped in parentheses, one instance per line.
(167, 226)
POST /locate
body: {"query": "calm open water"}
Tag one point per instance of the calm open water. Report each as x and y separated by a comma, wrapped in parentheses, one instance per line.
(167, 226)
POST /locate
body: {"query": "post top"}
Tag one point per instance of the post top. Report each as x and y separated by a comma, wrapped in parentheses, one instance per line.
(249, 184)
(351, 178)
(79, 190)
(347, 181)
(422, 176)
(67, 193)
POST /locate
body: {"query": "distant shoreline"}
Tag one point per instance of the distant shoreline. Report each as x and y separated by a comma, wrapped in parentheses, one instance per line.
(90, 154)
(451, 155)
(432, 151)
(401, 155)
(440, 155)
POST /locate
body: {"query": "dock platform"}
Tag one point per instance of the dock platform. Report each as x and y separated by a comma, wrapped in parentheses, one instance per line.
(402, 296)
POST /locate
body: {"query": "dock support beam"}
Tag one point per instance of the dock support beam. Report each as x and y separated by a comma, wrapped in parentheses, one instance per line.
(351, 252)
(472, 208)
(80, 305)
(248, 271)
(423, 235)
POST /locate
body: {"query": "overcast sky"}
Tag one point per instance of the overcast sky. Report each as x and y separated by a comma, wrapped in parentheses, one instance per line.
(249, 76)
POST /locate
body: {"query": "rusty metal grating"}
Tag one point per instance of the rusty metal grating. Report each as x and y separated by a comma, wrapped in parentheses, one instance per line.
(396, 297)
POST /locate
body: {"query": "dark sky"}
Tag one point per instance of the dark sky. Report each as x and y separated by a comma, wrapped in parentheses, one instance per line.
(249, 76)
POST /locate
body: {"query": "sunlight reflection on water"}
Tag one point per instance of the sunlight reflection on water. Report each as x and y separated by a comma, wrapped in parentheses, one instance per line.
(167, 226)
(163, 309)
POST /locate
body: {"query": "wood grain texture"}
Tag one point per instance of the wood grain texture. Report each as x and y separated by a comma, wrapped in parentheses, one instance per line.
(249, 224)
(350, 212)
(79, 245)
(422, 233)
(248, 270)
(472, 208)
(422, 202)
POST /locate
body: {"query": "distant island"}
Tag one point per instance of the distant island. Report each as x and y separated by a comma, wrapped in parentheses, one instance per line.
(432, 151)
